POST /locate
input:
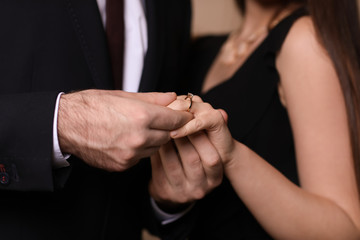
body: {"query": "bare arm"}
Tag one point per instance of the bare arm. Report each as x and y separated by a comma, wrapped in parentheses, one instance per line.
(326, 206)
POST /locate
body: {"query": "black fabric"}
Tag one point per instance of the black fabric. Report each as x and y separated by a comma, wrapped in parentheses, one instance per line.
(256, 118)
(47, 47)
(115, 29)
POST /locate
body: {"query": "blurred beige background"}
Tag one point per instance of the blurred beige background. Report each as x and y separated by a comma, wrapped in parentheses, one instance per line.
(216, 16)
(212, 17)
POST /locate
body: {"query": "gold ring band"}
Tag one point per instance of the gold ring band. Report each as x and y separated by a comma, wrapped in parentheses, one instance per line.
(190, 96)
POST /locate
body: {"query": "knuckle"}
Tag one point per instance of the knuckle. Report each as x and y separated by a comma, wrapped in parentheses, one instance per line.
(180, 97)
(127, 156)
(196, 98)
(177, 183)
(179, 104)
(219, 116)
(213, 114)
(182, 199)
(172, 168)
(208, 106)
(193, 158)
(218, 180)
(213, 161)
(120, 167)
(138, 141)
(163, 139)
(164, 192)
(176, 180)
(215, 118)
(199, 194)
(215, 181)
(196, 170)
(196, 167)
(198, 123)
(142, 117)
(184, 131)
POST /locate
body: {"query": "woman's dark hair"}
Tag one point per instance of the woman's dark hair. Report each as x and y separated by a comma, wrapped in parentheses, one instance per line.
(241, 5)
(337, 27)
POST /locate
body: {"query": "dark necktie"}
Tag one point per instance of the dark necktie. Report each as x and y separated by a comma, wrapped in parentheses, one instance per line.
(115, 36)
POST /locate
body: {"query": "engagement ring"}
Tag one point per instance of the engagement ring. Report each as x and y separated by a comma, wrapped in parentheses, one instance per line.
(190, 96)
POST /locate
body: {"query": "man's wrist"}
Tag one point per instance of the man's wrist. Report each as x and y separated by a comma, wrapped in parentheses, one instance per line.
(71, 121)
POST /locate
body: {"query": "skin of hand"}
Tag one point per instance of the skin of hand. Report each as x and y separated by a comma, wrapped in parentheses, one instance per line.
(181, 174)
(214, 121)
(112, 130)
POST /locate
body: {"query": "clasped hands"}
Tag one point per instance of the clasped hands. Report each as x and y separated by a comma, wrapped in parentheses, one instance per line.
(191, 165)
(113, 130)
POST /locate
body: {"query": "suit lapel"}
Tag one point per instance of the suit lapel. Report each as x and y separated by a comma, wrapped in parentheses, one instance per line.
(152, 63)
(90, 31)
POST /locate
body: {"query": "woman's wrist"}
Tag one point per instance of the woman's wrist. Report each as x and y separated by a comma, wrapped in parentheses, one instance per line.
(239, 154)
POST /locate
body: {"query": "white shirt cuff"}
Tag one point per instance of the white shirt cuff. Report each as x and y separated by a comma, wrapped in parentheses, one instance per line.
(59, 159)
(167, 218)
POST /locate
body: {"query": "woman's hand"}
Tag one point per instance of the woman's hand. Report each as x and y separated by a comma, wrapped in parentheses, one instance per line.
(183, 171)
(213, 121)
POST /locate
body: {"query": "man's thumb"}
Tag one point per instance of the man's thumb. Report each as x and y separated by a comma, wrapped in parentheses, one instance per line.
(162, 99)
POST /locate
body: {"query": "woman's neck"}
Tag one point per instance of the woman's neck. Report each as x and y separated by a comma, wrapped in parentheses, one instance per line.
(259, 14)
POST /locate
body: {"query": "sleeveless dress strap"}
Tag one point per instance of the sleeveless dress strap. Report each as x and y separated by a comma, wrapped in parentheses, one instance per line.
(278, 34)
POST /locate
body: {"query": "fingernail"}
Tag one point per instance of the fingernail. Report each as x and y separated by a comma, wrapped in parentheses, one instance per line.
(173, 134)
(171, 93)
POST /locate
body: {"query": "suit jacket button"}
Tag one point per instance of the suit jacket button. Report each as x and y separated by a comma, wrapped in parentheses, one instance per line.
(4, 178)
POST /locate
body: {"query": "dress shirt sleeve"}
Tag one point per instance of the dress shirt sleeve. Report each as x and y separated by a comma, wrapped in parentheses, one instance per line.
(59, 159)
(166, 218)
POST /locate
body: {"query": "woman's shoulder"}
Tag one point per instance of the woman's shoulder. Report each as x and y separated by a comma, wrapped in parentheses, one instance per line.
(303, 63)
(302, 50)
(302, 42)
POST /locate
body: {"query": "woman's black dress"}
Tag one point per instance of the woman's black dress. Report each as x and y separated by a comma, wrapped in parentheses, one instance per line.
(256, 118)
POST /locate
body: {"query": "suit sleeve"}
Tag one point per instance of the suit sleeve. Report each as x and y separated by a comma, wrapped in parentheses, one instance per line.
(26, 123)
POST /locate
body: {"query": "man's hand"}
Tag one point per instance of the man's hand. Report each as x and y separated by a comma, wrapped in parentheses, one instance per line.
(184, 171)
(112, 130)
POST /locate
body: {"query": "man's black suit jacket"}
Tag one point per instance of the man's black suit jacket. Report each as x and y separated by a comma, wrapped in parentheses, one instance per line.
(52, 46)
